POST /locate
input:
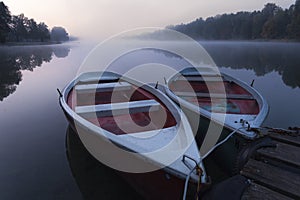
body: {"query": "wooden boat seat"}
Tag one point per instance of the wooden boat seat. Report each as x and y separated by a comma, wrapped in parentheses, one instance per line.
(104, 110)
(103, 87)
(200, 78)
(214, 95)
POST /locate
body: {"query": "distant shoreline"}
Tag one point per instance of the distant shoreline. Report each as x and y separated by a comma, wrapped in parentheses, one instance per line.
(164, 38)
(254, 40)
(29, 43)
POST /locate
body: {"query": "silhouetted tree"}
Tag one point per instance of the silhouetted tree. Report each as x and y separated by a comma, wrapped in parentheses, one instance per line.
(24, 29)
(43, 33)
(19, 31)
(32, 29)
(260, 18)
(5, 18)
(59, 34)
(276, 26)
(293, 28)
(272, 22)
(242, 25)
(209, 30)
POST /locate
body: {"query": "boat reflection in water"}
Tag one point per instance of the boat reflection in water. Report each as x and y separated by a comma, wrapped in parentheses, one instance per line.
(94, 179)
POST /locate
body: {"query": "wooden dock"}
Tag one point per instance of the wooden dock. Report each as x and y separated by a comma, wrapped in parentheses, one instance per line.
(274, 171)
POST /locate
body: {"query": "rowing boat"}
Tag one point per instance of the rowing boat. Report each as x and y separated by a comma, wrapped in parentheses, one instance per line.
(135, 129)
(216, 105)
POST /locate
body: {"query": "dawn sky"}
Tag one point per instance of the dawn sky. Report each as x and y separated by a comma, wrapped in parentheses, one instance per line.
(103, 18)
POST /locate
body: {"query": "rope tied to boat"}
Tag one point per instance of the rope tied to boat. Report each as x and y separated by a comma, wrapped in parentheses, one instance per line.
(199, 172)
(265, 131)
(201, 159)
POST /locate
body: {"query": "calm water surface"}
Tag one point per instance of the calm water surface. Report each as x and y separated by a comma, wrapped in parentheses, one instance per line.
(42, 159)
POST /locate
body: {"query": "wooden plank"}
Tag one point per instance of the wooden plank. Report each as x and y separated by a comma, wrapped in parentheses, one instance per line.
(272, 177)
(283, 152)
(286, 139)
(103, 87)
(255, 191)
(104, 110)
(214, 95)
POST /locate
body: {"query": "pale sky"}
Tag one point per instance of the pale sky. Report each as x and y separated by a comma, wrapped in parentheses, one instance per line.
(102, 18)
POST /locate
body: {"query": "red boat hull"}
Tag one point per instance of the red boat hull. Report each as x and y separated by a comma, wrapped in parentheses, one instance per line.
(159, 185)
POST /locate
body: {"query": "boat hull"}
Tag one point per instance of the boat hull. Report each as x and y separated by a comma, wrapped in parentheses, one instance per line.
(158, 184)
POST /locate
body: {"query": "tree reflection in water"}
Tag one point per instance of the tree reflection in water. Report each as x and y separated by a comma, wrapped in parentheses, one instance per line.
(261, 57)
(15, 59)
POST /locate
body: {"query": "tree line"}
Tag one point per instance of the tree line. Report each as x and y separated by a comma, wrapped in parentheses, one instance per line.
(18, 28)
(272, 22)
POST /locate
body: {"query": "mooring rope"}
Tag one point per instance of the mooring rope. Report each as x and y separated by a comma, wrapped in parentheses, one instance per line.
(203, 157)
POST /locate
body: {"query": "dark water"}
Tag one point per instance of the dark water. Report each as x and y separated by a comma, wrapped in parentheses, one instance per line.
(40, 159)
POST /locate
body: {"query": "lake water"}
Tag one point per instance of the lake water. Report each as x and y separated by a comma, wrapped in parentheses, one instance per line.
(41, 159)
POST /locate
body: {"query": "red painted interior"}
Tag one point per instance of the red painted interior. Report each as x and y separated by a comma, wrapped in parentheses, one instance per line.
(214, 87)
(130, 123)
(239, 106)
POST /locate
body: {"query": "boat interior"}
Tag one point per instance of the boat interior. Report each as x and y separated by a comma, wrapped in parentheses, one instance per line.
(193, 87)
(119, 106)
